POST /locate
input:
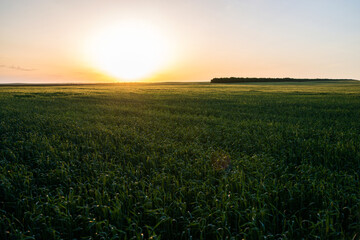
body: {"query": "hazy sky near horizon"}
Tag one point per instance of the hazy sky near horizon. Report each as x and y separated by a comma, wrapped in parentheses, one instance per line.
(48, 40)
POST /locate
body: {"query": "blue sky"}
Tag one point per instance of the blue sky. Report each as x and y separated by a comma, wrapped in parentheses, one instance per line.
(43, 41)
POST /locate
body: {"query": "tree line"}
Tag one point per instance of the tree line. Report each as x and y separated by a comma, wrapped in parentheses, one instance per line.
(247, 79)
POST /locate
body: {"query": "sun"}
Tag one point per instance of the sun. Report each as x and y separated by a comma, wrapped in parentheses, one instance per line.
(129, 51)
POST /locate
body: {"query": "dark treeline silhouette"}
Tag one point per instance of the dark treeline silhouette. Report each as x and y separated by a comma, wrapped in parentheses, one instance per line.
(246, 80)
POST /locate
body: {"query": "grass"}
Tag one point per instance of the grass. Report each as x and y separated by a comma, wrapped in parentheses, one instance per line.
(180, 161)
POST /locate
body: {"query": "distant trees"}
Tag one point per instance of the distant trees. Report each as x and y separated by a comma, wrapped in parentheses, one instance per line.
(246, 79)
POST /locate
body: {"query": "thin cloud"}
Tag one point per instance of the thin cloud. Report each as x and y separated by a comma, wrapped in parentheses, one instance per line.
(17, 68)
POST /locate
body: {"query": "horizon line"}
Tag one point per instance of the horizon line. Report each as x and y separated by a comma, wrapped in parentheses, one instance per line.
(161, 82)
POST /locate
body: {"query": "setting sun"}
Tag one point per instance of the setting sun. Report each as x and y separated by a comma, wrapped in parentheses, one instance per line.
(129, 51)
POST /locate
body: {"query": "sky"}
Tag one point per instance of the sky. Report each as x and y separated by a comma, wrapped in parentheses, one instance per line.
(88, 41)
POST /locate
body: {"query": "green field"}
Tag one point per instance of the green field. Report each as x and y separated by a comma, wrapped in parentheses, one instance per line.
(180, 161)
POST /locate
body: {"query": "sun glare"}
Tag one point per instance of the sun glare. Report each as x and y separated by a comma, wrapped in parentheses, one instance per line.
(129, 51)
